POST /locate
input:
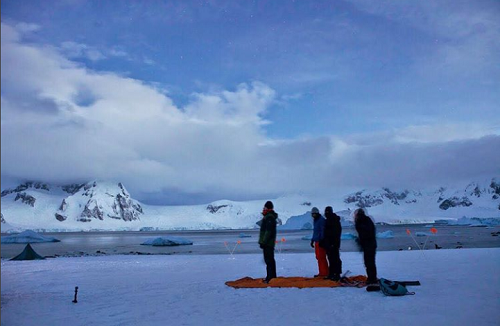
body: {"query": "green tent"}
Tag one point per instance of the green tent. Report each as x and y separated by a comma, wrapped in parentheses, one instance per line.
(28, 254)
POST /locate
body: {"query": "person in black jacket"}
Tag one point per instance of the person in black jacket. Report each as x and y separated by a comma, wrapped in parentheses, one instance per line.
(267, 239)
(367, 243)
(331, 243)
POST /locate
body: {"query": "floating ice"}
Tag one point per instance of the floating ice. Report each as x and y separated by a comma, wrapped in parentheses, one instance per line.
(28, 236)
(170, 241)
(347, 236)
(385, 235)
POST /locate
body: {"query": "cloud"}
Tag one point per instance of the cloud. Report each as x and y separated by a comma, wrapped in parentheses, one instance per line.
(444, 132)
(292, 97)
(27, 28)
(149, 61)
(103, 125)
(73, 50)
(77, 50)
(116, 52)
(62, 122)
(466, 36)
(385, 161)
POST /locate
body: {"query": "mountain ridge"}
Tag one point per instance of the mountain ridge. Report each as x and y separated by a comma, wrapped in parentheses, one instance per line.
(102, 205)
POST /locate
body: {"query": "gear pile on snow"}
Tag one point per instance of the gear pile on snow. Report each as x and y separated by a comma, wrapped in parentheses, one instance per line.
(297, 282)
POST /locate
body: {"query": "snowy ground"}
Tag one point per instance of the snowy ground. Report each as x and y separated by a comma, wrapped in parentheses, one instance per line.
(459, 287)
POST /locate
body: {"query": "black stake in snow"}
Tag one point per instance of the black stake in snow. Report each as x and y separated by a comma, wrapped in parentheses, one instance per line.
(76, 293)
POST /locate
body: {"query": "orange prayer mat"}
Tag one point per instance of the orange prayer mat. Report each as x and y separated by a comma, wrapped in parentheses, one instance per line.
(297, 282)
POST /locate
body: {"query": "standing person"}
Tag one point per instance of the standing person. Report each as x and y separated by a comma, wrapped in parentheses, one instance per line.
(267, 239)
(331, 243)
(367, 243)
(318, 235)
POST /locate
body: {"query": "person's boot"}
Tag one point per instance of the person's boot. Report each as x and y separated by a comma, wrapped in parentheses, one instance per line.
(335, 277)
(372, 286)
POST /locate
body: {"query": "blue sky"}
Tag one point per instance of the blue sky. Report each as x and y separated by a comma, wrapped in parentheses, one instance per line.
(337, 76)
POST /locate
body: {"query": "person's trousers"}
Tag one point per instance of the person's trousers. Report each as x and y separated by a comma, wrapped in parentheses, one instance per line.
(321, 257)
(270, 262)
(371, 268)
(334, 261)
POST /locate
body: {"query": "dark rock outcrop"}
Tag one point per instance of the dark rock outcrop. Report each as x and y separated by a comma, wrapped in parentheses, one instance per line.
(89, 186)
(26, 186)
(123, 207)
(441, 194)
(495, 186)
(63, 205)
(73, 188)
(26, 199)
(215, 208)
(455, 202)
(363, 201)
(60, 217)
(91, 211)
(473, 189)
(395, 196)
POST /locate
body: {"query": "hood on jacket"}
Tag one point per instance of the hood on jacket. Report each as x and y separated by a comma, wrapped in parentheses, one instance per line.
(332, 215)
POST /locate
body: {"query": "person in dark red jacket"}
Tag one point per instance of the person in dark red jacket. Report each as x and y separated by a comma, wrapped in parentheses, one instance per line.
(367, 242)
(331, 243)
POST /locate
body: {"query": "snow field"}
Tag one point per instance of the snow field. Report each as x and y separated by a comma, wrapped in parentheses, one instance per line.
(459, 287)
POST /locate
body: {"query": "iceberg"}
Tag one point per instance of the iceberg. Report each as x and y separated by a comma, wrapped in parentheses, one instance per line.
(385, 235)
(300, 222)
(28, 236)
(304, 221)
(170, 241)
(348, 236)
(344, 236)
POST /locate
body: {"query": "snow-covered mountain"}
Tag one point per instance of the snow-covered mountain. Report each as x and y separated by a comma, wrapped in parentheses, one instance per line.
(99, 201)
(39, 205)
(476, 199)
(108, 206)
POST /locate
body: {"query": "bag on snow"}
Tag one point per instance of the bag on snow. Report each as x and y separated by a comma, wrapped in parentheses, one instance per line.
(393, 288)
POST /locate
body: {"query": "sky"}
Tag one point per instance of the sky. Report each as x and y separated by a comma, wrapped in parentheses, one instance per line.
(187, 102)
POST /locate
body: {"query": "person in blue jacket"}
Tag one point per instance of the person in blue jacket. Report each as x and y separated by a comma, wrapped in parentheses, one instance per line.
(318, 235)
